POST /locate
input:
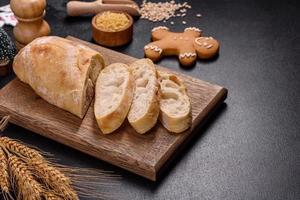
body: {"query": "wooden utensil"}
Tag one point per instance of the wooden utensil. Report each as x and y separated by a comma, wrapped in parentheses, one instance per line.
(76, 8)
(145, 155)
(31, 23)
(115, 38)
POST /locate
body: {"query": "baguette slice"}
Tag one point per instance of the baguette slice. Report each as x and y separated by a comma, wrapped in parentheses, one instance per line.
(144, 109)
(60, 71)
(113, 96)
(175, 106)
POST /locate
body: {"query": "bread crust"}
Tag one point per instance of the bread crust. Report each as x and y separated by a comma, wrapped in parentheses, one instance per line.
(62, 72)
(148, 119)
(172, 89)
(111, 121)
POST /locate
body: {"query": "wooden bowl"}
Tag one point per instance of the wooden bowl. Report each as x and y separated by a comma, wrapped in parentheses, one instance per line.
(112, 38)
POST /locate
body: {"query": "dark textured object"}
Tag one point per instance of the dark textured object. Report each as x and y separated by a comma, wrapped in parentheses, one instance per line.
(7, 52)
(247, 150)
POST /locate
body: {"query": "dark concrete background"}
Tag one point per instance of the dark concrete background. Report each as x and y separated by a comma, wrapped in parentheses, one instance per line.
(249, 149)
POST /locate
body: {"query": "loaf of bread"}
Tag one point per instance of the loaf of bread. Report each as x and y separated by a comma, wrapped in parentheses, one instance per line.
(175, 106)
(144, 109)
(113, 96)
(60, 71)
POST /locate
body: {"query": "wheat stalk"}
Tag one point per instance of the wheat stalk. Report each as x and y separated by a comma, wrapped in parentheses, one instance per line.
(4, 176)
(19, 149)
(34, 178)
(52, 178)
(28, 187)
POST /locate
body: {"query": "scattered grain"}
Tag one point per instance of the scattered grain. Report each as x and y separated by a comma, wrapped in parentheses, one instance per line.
(162, 11)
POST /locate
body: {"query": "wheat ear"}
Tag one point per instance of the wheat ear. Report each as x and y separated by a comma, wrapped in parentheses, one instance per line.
(51, 196)
(19, 149)
(28, 188)
(4, 176)
(52, 178)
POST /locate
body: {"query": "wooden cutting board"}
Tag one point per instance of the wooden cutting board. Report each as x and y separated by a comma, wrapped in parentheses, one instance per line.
(144, 155)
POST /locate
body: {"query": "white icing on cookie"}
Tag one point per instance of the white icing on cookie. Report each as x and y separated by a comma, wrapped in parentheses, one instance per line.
(154, 48)
(199, 40)
(209, 46)
(187, 55)
(192, 29)
(160, 28)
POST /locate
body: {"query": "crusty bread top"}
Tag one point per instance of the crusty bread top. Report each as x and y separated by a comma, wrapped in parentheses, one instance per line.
(174, 99)
(59, 71)
(111, 86)
(146, 85)
(60, 60)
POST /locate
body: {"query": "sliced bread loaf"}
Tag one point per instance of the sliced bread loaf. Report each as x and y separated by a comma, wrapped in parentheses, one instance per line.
(113, 97)
(144, 109)
(175, 106)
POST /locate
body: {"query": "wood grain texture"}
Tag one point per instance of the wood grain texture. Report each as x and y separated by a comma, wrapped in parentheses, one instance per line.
(141, 154)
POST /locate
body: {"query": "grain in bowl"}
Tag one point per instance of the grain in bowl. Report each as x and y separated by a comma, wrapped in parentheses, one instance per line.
(112, 21)
(112, 28)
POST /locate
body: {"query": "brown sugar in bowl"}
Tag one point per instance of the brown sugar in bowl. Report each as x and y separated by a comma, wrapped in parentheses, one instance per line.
(112, 38)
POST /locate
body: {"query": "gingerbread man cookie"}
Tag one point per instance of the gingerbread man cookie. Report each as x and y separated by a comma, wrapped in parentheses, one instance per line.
(187, 45)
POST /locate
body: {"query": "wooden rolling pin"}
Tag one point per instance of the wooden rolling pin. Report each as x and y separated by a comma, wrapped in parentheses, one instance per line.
(76, 8)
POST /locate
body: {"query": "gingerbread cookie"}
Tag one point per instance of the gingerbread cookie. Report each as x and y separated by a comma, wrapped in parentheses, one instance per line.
(187, 45)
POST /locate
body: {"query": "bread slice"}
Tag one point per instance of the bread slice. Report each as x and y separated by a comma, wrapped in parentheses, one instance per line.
(60, 71)
(175, 106)
(144, 109)
(113, 96)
